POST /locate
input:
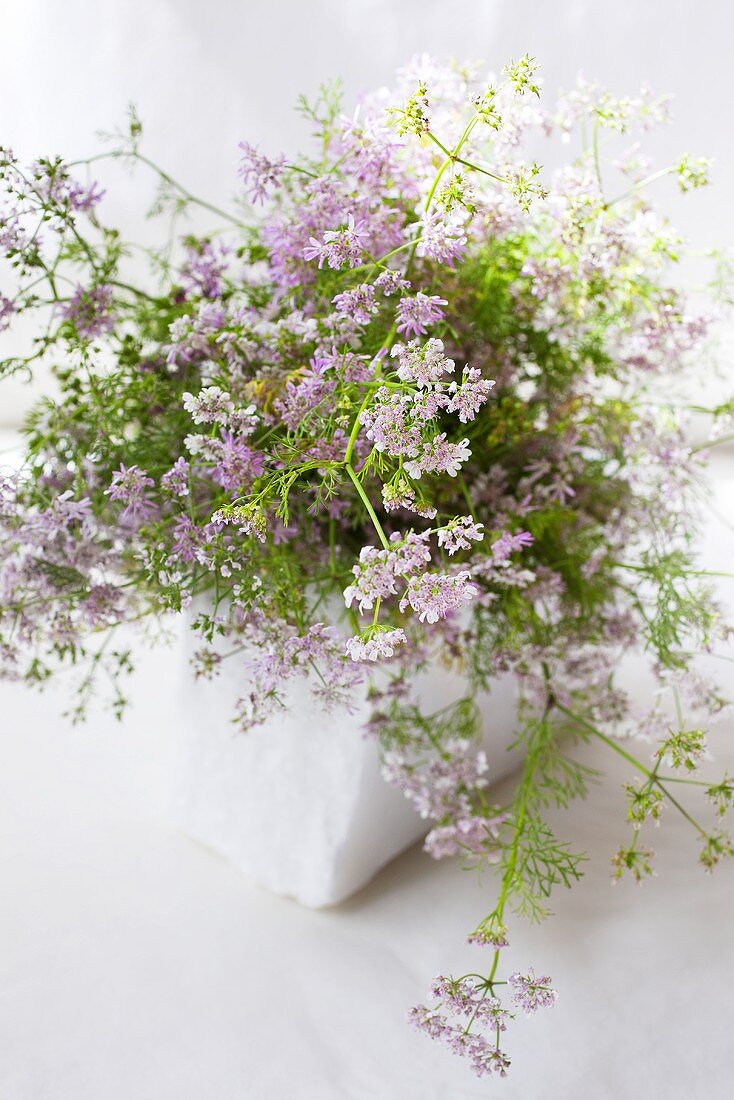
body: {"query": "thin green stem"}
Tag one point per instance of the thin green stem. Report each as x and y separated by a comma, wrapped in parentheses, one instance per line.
(637, 764)
(478, 168)
(607, 740)
(681, 809)
(187, 194)
(133, 290)
(712, 443)
(643, 183)
(597, 164)
(355, 428)
(684, 572)
(368, 505)
(526, 783)
(119, 154)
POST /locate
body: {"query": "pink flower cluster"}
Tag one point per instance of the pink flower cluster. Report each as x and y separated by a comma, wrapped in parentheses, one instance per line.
(475, 835)
(339, 246)
(417, 314)
(459, 534)
(433, 596)
(469, 1020)
(398, 421)
(439, 786)
(531, 993)
(286, 656)
(259, 173)
(380, 645)
(378, 572)
(469, 1017)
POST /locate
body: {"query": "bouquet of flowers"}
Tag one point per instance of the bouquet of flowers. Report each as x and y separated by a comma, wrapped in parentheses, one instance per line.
(413, 373)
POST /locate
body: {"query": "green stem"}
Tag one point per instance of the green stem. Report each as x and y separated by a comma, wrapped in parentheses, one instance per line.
(712, 443)
(607, 740)
(637, 764)
(643, 183)
(597, 164)
(441, 145)
(355, 428)
(133, 290)
(684, 572)
(526, 783)
(478, 168)
(117, 154)
(187, 194)
(368, 505)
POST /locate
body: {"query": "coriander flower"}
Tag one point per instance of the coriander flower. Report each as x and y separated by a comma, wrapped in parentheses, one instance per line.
(476, 834)
(259, 174)
(380, 644)
(53, 181)
(507, 544)
(415, 315)
(358, 303)
(89, 311)
(249, 518)
(693, 172)
(425, 365)
(399, 494)
(531, 993)
(441, 237)
(377, 571)
(387, 423)
(131, 486)
(467, 1021)
(375, 579)
(211, 405)
(7, 309)
(415, 118)
(339, 246)
(457, 534)
(176, 480)
(439, 456)
(432, 596)
(391, 282)
(684, 749)
(469, 395)
(490, 933)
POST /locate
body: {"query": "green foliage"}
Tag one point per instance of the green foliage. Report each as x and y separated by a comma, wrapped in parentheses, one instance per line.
(323, 111)
(721, 795)
(636, 861)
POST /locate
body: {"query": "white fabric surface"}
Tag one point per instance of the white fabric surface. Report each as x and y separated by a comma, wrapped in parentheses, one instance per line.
(134, 964)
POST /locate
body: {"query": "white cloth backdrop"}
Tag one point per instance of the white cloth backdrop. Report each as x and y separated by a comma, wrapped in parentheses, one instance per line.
(134, 963)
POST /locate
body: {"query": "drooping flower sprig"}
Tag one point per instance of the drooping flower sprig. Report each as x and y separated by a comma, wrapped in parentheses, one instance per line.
(408, 401)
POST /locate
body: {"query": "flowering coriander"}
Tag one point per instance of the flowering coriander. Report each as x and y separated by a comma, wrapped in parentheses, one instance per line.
(414, 415)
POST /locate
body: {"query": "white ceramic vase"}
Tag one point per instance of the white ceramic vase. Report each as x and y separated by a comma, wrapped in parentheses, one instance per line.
(299, 804)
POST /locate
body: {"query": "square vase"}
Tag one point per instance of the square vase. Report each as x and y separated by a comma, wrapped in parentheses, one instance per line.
(298, 804)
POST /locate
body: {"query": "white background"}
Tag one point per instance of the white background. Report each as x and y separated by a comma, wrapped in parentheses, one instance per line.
(134, 964)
